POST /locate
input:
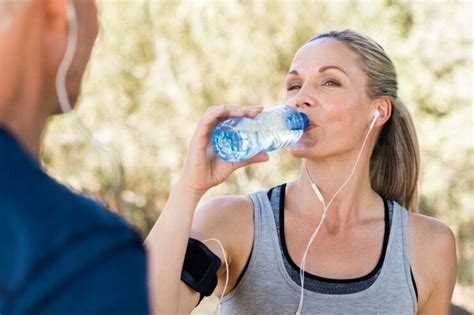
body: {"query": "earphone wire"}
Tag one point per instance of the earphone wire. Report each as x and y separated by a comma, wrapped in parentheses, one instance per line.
(67, 59)
(65, 103)
(325, 208)
(226, 268)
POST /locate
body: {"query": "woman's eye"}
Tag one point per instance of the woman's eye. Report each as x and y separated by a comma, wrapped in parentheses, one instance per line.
(331, 83)
(293, 87)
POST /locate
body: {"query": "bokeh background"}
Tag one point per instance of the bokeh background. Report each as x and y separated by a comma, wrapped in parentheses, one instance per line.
(158, 65)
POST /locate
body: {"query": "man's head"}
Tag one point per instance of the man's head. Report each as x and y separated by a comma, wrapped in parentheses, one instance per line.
(33, 40)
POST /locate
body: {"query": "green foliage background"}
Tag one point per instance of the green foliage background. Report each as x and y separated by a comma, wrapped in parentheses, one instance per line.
(158, 65)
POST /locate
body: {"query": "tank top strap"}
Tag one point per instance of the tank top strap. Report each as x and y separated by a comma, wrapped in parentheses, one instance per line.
(264, 223)
(265, 242)
(398, 260)
(406, 255)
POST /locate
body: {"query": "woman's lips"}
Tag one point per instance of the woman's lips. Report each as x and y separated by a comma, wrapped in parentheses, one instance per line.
(310, 126)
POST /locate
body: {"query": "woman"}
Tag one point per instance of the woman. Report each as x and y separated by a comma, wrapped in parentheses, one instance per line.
(371, 254)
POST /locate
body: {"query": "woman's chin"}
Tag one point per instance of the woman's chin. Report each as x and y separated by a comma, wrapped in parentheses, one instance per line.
(302, 149)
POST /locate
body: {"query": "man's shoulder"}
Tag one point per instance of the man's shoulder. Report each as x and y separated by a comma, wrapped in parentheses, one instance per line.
(41, 219)
(64, 230)
(40, 205)
(33, 201)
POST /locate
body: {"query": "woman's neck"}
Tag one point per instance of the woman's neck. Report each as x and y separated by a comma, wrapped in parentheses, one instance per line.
(354, 202)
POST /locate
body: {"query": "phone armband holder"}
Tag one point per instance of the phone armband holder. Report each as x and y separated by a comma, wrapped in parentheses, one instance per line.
(200, 268)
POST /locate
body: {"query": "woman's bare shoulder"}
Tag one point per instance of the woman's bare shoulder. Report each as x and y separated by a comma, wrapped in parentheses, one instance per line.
(433, 260)
(228, 218)
(431, 232)
(225, 209)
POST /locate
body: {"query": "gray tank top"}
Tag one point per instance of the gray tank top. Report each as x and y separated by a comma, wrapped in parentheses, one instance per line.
(267, 288)
(316, 283)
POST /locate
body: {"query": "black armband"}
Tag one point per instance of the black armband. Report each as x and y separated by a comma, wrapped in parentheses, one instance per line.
(200, 268)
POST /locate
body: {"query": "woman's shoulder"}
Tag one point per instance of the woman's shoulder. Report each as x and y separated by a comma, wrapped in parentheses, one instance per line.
(432, 254)
(230, 216)
(432, 238)
(228, 219)
(228, 207)
(431, 232)
(225, 206)
(224, 216)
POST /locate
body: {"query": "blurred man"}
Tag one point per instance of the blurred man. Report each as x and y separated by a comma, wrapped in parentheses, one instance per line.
(60, 253)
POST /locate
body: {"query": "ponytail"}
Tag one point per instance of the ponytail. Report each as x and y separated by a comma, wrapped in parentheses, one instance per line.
(395, 161)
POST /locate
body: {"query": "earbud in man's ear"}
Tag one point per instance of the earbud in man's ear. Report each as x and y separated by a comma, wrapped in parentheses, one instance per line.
(376, 116)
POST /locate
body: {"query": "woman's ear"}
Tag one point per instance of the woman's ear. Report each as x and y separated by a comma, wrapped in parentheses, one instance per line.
(384, 107)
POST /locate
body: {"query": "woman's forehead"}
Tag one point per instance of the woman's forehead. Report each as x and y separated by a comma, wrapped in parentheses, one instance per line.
(323, 52)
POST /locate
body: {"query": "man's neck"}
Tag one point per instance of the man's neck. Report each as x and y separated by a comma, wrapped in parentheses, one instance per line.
(29, 138)
(26, 123)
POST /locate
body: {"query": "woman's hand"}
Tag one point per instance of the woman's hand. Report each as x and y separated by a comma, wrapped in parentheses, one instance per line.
(203, 169)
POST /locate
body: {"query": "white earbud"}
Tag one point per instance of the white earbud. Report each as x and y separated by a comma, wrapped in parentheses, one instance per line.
(376, 116)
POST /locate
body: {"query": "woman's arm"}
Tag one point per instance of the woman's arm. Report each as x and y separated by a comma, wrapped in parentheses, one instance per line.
(166, 247)
(167, 241)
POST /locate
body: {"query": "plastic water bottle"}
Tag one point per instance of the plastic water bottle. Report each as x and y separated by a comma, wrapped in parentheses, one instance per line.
(239, 139)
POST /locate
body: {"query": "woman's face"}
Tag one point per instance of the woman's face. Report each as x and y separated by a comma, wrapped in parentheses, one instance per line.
(327, 83)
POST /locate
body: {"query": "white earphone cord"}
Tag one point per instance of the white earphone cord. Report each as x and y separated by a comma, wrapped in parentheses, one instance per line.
(67, 59)
(325, 208)
(65, 103)
(226, 269)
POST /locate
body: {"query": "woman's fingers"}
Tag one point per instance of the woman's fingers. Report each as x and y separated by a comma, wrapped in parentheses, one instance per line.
(203, 168)
(253, 111)
(259, 158)
(216, 114)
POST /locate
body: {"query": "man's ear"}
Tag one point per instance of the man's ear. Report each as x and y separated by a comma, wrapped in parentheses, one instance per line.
(55, 26)
(56, 16)
(55, 33)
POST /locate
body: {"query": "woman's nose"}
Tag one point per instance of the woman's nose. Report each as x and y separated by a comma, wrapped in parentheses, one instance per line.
(301, 101)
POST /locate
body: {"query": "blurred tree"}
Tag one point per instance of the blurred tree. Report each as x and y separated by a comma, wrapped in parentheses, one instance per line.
(158, 65)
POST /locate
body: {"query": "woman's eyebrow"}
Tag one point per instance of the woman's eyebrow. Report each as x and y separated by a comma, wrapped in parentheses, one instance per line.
(324, 68)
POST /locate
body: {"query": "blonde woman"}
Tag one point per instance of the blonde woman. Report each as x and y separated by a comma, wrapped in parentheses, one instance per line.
(372, 254)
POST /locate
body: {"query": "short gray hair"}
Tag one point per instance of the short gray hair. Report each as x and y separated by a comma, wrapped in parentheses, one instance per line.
(9, 9)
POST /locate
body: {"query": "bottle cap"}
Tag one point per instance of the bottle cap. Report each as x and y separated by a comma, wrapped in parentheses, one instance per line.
(305, 119)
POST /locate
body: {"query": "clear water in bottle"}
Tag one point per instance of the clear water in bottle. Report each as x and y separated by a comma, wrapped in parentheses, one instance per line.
(239, 139)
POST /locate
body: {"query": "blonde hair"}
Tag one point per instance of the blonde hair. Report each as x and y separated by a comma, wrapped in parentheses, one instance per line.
(395, 161)
(9, 9)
